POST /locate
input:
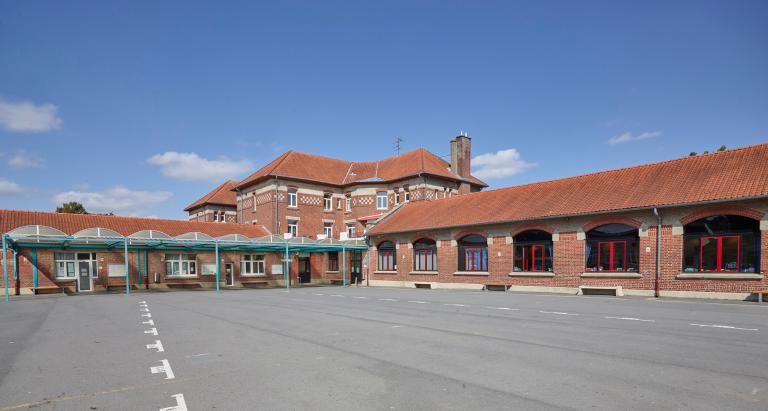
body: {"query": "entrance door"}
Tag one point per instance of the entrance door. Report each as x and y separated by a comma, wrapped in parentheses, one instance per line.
(84, 276)
(304, 270)
(229, 274)
(356, 266)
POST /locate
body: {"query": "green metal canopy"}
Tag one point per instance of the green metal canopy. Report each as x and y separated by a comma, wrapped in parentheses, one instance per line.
(40, 236)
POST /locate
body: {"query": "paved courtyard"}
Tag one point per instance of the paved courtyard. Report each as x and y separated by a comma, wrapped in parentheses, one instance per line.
(380, 349)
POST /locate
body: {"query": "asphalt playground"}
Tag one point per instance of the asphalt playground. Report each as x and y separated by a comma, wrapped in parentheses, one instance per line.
(333, 348)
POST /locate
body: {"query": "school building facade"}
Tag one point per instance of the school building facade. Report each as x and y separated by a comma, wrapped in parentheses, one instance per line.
(690, 227)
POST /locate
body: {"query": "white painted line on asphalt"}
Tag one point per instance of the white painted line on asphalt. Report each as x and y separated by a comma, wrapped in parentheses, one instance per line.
(142, 302)
(157, 345)
(147, 315)
(165, 368)
(457, 305)
(556, 312)
(149, 322)
(196, 355)
(729, 327)
(336, 295)
(398, 326)
(418, 302)
(152, 331)
(146, 310)
(387, 299)
(503, 308)
(361, 298)
(630, 319)
(284, 291)
(318, 294)
(181, 405)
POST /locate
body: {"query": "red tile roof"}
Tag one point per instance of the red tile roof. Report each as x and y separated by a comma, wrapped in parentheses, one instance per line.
(72, 223)
(311, 167)
(221, 195)
(731, 174)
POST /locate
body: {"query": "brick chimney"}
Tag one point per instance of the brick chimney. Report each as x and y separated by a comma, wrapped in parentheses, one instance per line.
(461, 151)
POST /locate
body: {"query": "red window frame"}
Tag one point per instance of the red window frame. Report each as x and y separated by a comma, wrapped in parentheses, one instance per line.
(469, 259)
(386, 260)
(611, 265)
(533, 247)
(425, 257)
(719, 263)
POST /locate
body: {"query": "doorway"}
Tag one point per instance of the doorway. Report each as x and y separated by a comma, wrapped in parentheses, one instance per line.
(229, 274)
(84, 276)
(304, 270)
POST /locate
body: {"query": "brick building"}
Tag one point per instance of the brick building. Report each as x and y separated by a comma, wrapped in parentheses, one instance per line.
(694, 226)
(56, 252)
(218, 206)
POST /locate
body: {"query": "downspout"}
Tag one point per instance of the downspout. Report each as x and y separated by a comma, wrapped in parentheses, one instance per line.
(369, 270)
(657, 291)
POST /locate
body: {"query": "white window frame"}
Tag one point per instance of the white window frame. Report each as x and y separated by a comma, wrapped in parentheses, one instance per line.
(252, 265)
(349, 203)
(293, 229)
(293, 198)
(351, 230)
(382, 200)
(63, 265)
(397, 197)
(407, 196)
(184, 266)
(215, 216)
(328, 229)
(327, 202)
(338, 204)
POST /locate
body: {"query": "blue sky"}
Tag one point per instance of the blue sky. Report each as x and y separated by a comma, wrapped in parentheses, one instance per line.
(142, 107)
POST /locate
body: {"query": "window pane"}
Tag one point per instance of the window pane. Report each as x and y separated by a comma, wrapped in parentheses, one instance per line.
(519, 257)
(70, 269)
(749, 245)
(691, 255)
(604, 256)
(619, 256)
(708, 252)
(730, 257)
(538, 258)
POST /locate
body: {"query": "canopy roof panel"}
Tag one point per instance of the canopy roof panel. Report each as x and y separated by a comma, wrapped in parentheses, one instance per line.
(194, 236)
(36, 231)
(97, 232)
(149, 235)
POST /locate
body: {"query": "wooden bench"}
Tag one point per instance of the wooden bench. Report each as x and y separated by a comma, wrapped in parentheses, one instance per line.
(760, 295)
(489, 286)
(45, 289)
(618, 291)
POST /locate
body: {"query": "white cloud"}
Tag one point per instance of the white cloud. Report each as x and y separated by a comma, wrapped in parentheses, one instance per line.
(117, 199)
(22, 159)
(192, 167)
(9, 187)
(627, 137)
(503, 163)
(23, 116)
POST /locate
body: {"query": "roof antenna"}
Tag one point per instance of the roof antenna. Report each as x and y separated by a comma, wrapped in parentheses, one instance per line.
(398, 140)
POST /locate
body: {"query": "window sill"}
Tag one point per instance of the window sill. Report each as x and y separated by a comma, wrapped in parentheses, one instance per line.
(478, 273)
(173, 277)
(332, 271)
(252, 275)
(531, 274)
(423, 273)
(604, 274)
(719, 276)
(385, 272)
(70, 279)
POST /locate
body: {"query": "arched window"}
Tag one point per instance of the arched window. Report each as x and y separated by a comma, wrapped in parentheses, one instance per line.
(473, 253)
(386, 252)
(424, 255)
(533, 251)
(722, 243)
(613, 247)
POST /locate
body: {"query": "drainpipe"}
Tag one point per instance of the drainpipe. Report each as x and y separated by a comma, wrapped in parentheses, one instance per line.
(370, 269)
(657, 291)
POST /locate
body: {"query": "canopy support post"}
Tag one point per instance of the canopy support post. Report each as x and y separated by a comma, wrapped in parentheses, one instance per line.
(127, 277)
(343, 266)
(287, 268)
(138, 270)
(5, 268)
(35, 282)
(218, 269)
(16, 271)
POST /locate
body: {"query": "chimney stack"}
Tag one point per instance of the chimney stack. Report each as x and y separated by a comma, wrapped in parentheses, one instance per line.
(461, 152)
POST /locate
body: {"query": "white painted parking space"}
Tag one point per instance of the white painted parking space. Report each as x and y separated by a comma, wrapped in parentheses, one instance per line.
(163, 368)
(181, 405)
(727, 327)
(629, 319)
